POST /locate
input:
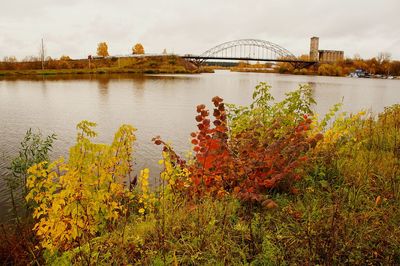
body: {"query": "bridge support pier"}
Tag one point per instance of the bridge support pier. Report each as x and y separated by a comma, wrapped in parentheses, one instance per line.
(196, 62)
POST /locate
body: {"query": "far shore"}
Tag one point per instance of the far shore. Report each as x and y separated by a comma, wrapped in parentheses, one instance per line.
(127, 65)
(172, 64)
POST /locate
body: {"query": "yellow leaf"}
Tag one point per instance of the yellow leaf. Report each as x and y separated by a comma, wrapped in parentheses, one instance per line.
(378, 200)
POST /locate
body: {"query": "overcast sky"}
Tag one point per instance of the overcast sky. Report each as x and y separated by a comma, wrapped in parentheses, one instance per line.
(74, 27)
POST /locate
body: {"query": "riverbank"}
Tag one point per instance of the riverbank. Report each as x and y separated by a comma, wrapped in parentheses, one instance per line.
(123, 65)
(306, 72)
(372, 68)
(303, 72)
(253, 70)
(95, 71)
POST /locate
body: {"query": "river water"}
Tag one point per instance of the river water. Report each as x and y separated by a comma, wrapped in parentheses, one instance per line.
(156, 105)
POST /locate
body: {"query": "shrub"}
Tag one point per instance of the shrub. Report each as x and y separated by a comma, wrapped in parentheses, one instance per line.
(78, 199)
(264, 150)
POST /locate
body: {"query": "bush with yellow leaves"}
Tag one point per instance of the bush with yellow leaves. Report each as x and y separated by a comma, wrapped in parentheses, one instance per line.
(78, 199)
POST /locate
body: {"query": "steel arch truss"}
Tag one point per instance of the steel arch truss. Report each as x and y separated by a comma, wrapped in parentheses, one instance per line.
(249, 48)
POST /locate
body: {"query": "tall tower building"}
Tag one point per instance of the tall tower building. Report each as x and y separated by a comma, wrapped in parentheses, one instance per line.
(314, 54)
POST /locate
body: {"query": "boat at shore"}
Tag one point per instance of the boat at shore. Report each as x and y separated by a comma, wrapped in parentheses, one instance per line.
(359, 73)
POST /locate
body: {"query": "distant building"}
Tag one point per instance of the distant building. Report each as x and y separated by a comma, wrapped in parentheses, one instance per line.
(314, 55)
(328, 56)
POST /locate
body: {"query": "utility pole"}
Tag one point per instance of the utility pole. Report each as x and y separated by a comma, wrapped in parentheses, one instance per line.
(42, 55)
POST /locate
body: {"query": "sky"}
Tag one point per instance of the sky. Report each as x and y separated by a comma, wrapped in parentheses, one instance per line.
(75, 27)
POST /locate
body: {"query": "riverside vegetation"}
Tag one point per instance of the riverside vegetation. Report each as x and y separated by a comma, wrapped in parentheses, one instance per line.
(166, 64)
(381, 66)
(266, 184)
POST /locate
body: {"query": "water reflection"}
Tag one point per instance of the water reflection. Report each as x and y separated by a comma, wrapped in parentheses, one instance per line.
(110, 76)
(139, 83)
(313, 85)
(43, 87)
(103, 85)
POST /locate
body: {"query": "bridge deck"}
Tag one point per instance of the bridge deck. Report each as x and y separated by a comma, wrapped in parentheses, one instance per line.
(203, 58)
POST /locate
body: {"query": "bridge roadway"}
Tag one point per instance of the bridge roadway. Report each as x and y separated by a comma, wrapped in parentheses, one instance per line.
(198, 59)
(203, 58)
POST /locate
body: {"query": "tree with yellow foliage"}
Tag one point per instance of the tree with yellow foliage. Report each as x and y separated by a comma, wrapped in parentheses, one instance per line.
(102, 49)
(138, 49)
(65, 58)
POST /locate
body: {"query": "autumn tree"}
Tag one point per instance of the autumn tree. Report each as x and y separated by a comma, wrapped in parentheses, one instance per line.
(395, 68)
(102, 49)
(242, 64)
(138, 49)
(65, 58)
(304, 57)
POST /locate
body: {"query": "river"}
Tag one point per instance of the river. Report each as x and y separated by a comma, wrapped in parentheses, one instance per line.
(156, 105)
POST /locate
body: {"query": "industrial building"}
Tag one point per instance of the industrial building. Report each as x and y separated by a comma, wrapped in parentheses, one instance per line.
(329, 56)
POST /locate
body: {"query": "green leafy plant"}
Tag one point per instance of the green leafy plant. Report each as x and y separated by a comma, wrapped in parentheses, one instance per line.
(34, 149)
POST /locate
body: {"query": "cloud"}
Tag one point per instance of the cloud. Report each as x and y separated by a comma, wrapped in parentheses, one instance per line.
(74, 27)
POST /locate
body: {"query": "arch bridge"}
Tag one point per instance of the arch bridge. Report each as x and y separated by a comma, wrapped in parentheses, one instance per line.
(249, 50)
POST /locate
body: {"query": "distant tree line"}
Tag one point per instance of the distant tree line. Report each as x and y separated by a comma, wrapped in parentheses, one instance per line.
(379, 65)
(64, 62)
